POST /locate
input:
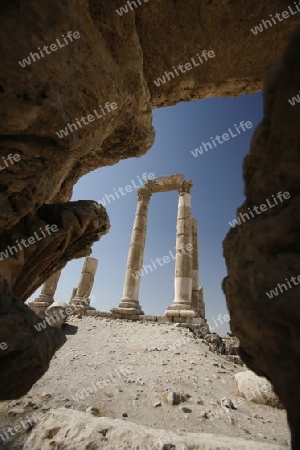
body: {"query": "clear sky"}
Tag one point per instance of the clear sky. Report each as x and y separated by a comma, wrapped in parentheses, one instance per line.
(217, 192)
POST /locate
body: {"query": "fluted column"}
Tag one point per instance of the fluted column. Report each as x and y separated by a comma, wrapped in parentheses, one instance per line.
(129, 304)
(182, 306)
(81, 301)
(197, 291)
(46, 297)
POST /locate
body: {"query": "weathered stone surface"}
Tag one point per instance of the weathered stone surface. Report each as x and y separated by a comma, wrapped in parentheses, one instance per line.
(57, 314)
(174, 398)
(166, 183)
(81, 300)
(231, 345)
(223, 346)
(125, 55)
(182, 303)
(256, 389)
(50, 93)
(28, 351)
(46, 297)
(79, 225)
(178, 31)
(129, 304)
(215, 343)
(264, 250)
(73, 430)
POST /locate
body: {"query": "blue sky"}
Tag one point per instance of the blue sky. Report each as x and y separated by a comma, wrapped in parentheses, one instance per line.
(217, 192)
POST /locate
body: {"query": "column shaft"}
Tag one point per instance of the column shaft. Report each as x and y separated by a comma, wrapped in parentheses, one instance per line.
(195, 255)
(181, 306)
(46, 297)
(81, 301)
(130, 300)
(197, 292)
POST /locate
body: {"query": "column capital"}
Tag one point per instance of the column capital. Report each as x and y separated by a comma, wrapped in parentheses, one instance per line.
(186, 187)
(144, 194)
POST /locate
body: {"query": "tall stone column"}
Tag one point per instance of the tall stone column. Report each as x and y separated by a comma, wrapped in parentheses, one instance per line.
(81, 302)
(182, 306)
(46, 297)
(197, 291)
(129, 304)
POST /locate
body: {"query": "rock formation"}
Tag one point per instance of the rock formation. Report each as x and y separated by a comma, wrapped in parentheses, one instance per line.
(256, 389)
(68, 430)
(28, 351)
(263, 252)
(57, 314)
(78, 224)
(116, 59)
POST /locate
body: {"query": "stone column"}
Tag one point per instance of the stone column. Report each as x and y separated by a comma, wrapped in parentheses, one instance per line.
(129, 304)
(182, 306)
(46, 297)
(195, 255)
(201, 304)
(74, 290)
(81, 302)
(197, 291)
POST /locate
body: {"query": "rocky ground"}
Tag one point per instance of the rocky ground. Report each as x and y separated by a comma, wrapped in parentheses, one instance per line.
(130, 371)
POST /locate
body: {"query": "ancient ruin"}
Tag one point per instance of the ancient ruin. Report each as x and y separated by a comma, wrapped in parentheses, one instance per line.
(37, 189)
(197, 291)
(182, 304)
(46, 297)
(80, 301)
(188, 301)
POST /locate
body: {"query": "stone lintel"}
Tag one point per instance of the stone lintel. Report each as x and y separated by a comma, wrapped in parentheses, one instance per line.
(164, 184)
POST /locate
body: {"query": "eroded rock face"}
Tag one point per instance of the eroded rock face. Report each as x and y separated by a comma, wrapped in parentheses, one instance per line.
(25, 352)
(26, 266)
(256, 389)
(264, 250)
(66, 429)
(116, 60)
(77, 226)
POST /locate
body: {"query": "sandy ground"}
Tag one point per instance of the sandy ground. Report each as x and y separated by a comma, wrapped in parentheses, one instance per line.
(126, 369)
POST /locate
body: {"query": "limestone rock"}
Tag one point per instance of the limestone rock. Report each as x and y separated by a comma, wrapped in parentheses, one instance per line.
(264, 250)
(57, 314)
(42, 100)
(256, 389)
(174, 398)
(92, 410)
(227, 403)
(73, 430)
(79, 225)
(215, 343)
(46, 297)
(28, 351)
(130, 52)
(231, 345)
